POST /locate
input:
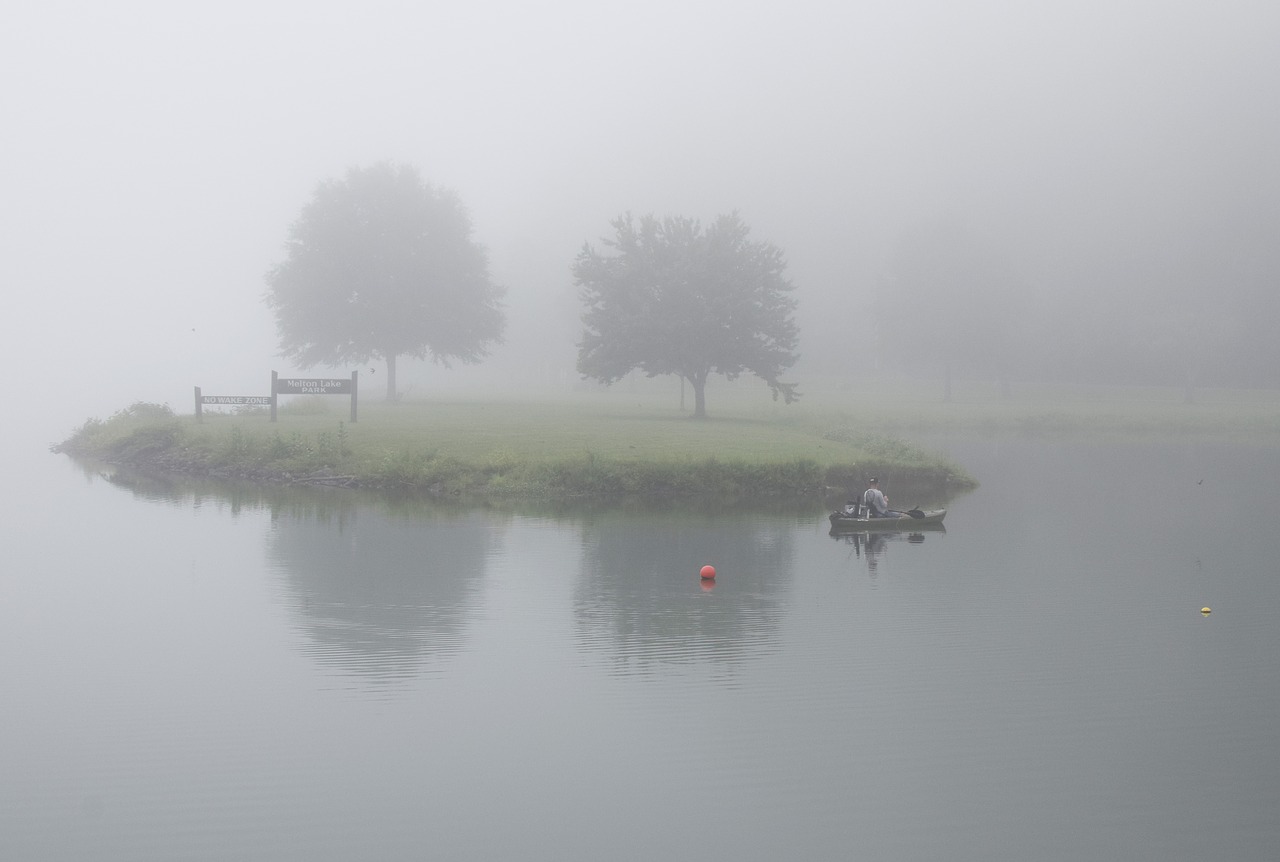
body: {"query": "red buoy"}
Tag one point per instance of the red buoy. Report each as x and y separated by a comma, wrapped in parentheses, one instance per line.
(708, 573)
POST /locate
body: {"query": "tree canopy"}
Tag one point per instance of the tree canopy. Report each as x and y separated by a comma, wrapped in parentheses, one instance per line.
(382, 264)
(673, 298)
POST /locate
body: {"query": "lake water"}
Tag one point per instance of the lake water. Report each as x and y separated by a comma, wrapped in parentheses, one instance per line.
(214, 673)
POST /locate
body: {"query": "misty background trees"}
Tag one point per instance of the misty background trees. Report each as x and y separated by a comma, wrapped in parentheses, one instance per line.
(1118, 157)
(948, 301)
(1180, 303)
(383, 264)
(673, 298)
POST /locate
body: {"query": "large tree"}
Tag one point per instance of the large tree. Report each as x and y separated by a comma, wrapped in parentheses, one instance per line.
(382, 264)
(673, 298)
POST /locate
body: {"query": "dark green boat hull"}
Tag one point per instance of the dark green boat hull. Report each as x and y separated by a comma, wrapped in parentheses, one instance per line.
(843, 522)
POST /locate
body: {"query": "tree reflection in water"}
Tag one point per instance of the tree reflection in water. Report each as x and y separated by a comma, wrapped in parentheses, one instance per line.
(639, 598)
(381, 594)
(382, 585)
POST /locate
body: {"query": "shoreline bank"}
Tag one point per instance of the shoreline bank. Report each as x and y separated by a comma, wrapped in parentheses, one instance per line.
(515, 453)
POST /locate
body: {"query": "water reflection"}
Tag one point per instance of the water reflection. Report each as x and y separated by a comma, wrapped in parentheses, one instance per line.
(379, 593)
(639, 597)
(1067, 681)
(234, 496)
(382, 586)
(871, 545)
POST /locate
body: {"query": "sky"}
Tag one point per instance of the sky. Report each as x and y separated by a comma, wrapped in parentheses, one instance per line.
(155, 154)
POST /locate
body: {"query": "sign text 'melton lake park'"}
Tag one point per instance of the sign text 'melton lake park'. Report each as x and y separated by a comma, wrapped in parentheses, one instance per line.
(285, 386)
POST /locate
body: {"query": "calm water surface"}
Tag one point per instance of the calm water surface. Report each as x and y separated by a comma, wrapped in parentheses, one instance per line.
(258, 675)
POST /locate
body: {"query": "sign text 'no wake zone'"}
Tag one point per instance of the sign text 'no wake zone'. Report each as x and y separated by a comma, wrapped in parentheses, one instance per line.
(263, 400)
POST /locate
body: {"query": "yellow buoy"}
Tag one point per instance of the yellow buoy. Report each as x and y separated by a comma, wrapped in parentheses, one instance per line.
(1205, 611)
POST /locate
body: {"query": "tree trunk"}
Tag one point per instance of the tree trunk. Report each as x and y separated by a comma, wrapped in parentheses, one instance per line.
(699, 384)
(391, 377)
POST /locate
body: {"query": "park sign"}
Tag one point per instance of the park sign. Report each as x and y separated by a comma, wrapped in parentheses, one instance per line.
(231, 401)
(237, 400)
(314, 386)
(285, 386)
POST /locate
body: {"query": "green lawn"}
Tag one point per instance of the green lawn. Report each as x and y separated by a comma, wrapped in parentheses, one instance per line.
(636, 440)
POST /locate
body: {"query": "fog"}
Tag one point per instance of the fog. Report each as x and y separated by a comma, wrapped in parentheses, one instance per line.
(155, 154)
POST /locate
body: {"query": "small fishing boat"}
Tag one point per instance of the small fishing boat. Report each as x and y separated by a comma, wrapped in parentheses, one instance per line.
(852, 517)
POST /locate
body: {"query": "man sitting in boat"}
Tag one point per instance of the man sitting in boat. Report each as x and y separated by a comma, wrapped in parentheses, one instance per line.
(877, 503)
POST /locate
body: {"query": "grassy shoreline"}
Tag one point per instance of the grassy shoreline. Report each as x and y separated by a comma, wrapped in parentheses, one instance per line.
(514, 450)
(638, 445)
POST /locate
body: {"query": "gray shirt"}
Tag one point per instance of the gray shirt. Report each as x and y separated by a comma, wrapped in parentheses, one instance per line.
(875, 499)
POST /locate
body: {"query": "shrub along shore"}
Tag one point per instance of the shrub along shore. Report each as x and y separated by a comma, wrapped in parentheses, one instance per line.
(514, 450)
